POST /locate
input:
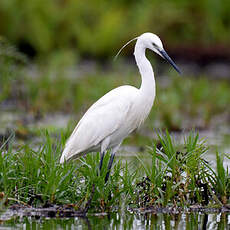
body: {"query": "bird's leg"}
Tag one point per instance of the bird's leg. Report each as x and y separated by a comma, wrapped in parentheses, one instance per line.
(101, 161)
(109, 166)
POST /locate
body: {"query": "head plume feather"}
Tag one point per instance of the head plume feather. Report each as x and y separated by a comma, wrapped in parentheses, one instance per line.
(124, 47)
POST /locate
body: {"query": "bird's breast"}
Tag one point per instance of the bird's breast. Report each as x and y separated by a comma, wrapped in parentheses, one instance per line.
(143, 108)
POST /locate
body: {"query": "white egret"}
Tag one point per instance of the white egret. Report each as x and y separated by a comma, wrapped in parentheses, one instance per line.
(119, 112)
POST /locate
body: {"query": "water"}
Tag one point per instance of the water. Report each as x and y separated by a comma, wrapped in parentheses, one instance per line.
(159, 221)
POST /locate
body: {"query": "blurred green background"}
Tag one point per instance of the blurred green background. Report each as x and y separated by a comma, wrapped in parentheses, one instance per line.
(56, 58)
(99, 28)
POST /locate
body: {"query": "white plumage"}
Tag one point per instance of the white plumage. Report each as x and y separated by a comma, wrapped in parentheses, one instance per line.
(119, 112)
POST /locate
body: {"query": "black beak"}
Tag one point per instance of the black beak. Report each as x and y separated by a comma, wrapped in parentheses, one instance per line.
(166, 56)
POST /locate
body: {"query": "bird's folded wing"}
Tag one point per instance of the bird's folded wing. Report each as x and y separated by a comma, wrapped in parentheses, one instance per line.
(100, 121)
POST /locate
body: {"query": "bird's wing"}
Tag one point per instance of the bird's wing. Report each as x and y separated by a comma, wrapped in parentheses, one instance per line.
(101, 120)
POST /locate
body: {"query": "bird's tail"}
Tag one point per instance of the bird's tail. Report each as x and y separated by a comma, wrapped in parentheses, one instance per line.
(62, 160)
(69, 154)
(65, 154)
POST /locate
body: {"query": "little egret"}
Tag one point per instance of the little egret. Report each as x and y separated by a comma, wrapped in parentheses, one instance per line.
(119, 112)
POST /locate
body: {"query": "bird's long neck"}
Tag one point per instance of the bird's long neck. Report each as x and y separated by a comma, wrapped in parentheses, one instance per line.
(147, 88)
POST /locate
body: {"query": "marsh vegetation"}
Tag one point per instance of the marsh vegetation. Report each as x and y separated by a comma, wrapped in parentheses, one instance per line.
(169, 171)
(178, 176)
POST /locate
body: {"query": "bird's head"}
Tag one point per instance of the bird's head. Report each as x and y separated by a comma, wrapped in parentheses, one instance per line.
(152, 41)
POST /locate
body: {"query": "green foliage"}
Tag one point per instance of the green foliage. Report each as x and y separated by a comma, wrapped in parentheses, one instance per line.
(178, 175)
(106, 195)
(221, 179)
(182, 177)
(95, 27)
(176, 107)
(53, 90)
(10, 66)
(36, 178)
(191, 99)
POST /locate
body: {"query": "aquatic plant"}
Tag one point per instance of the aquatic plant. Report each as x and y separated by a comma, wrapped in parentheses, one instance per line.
(178, 176)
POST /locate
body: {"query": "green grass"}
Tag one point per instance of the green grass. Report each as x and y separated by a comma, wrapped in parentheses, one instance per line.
(178, 175)
(36, 178)
(221, 179)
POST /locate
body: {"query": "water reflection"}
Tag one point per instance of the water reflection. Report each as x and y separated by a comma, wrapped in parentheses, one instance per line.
(126, 221)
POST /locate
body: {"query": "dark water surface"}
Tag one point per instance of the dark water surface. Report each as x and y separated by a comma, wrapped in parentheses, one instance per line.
(195, 220)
